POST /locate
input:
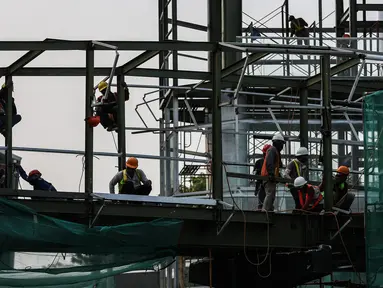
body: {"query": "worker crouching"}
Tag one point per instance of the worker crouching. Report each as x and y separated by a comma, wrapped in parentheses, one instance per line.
(34, 178)
(310, 197)
(129, 180)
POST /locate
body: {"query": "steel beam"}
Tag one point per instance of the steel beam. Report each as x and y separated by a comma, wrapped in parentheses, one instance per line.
(326, 130)
(8, 132)
(135, 62)
(62, 45)
(21, 62)
(237, 66)
(121, 123)
(333, 71)
(89, 82)
(369, 7)
(189, 25)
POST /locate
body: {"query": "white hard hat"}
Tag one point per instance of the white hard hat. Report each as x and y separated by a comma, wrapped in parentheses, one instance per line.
(299, 182)
(302, 151)
(277, 137)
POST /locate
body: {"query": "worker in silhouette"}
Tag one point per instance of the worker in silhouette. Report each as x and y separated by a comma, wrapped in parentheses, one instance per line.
(298, 28)
(107, 107)
(342, 198)
(296, 168)
(310, 197)
(131, 180)
(3, 108)
(270, 169)
(259, 187)
(34, 178)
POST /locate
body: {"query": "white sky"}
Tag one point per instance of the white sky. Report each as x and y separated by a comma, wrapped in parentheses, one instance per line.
(53, 107)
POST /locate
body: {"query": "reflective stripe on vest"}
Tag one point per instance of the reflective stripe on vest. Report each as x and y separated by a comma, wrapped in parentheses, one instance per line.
(297, 26)
(125, 178)
(296, 166)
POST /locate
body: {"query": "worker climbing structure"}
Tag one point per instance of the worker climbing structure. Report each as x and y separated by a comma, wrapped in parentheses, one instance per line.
(257, 85)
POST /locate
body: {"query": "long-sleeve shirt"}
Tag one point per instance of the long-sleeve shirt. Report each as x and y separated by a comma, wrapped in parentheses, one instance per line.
(257, 169)
(138, 178)
(272, 161)
(297, 25)
(292, 172)
(38, 184)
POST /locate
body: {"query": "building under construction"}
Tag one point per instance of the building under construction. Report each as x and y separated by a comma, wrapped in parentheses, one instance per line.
(323, 95)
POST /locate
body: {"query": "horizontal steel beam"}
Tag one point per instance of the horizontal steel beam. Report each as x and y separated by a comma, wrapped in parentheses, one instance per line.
(200, 224)
(369, 7)
(333, 71)
(63, 45)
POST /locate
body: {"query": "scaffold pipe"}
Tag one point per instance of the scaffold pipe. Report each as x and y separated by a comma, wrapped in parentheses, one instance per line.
(104, 154)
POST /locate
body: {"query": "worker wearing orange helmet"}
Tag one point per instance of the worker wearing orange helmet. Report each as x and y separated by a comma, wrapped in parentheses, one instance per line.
(131, 180)
(34, 178)
(108, 108)
(340, 189)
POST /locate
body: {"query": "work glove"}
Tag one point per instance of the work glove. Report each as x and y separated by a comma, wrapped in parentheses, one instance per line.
(272, 178)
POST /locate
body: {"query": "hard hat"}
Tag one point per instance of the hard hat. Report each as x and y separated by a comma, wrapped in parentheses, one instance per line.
(346, 35)
(278, 137)
(343, 170)
(102, 86)
(132, 162)
(265, 148)
(34, 172)
(299, 182)
(302, 151)
(93, 121)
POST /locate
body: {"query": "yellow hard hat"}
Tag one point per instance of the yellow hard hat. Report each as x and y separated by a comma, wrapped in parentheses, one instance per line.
(102, 86)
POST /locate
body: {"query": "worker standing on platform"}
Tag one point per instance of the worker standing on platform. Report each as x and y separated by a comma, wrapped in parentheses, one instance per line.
(3, 108)
(129, 180)
(342, 198)
(298, 28)
(259, 187)
(107, 106)
(34, 178)
(270, 168)
(296, 168)
(310, 197)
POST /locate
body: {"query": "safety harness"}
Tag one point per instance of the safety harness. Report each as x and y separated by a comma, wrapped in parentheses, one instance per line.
(126, 177)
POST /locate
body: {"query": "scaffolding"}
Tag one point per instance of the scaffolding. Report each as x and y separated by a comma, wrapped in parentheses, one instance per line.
(253, 86)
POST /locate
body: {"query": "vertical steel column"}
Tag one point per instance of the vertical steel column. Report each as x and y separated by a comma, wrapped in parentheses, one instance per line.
(341, 149)
(326, 130)
(320, 15)
(353, 19)
(121, 122)
(287, 35)
(231, 29)
(89, 78)
(215, 20)
(304, 122)
(162, 162)
(339, 9)
(8, 129)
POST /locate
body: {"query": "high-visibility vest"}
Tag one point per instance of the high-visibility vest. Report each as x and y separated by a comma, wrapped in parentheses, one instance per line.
(296, 25)
(126, 177)
(277, 161)
(318, 196)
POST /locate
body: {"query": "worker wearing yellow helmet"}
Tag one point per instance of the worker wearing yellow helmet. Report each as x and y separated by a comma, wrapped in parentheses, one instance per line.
(108, 108)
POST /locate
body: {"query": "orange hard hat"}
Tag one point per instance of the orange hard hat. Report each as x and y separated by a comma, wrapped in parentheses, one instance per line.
(34, 172)
(346, 35)
(132, 162)
(93, 121)
(343, 170)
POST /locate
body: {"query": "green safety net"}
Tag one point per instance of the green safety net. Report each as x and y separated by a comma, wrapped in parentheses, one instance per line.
(92, 255)
(373, 171)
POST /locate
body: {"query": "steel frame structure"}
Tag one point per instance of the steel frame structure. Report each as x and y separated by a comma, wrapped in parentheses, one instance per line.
(226, 74)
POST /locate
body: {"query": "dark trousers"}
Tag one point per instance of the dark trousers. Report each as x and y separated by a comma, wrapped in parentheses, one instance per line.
(261, 196)
(294, 194)
(129, 188)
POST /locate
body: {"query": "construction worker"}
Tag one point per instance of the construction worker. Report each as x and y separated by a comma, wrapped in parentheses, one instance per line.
(34, 178)
(270, 168)
(129, 180)
(108, 108)
(3, 108)
(309, 196)
(342, 198)
(298, 28)
(259, 187)
(297, 167)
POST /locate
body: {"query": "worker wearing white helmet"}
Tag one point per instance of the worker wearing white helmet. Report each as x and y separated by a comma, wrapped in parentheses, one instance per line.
(270, 168)
(296, 168)
(309, 196)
